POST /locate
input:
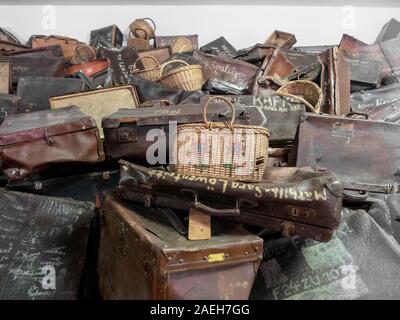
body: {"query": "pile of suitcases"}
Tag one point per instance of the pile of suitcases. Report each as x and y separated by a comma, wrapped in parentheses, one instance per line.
(154, 168)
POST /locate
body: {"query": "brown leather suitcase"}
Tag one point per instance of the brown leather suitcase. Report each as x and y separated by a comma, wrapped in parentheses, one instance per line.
(5, 76)
(99, 103)
(30, 142)
(364, 154)
(43, 243)
(143, 257)
(10, 104)
(335, 83)
(49, 51)
(295, 201)
(281, 39)
(125, 131)
(68, 45)
(138, 44)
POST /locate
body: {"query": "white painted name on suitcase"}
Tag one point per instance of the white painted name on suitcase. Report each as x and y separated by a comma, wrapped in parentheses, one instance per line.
(224, 186)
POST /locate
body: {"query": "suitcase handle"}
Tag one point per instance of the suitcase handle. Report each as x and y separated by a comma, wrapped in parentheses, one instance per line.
(209, 210)
(365, 115)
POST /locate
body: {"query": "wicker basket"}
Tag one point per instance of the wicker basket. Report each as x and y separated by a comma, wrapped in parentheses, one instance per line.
(152, 74)
(84, 53)
(305, 91)
(181, 44)
(186, 78)
(142, 29)
(221, 150)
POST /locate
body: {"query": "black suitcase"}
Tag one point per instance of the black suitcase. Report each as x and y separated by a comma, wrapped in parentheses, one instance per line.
(43, 246)
(38, 90)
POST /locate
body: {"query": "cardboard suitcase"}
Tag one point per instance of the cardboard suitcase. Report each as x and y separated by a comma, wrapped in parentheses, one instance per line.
(142, 257)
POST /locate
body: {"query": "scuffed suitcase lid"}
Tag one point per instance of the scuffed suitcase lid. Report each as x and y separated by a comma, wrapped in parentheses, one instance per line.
(364, 154)
(149, 223)
(23, 127)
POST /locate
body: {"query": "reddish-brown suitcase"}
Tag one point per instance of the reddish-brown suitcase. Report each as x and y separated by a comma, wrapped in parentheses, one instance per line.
(143, 257)
(30, 142)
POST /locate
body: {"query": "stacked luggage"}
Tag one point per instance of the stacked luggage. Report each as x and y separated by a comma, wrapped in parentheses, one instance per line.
(156, 168)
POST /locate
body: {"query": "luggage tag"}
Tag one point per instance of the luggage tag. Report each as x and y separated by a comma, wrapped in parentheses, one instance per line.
(199, 225)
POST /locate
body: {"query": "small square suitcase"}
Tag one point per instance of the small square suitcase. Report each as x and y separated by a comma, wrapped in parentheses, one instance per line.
(31, 142)
(142, 257)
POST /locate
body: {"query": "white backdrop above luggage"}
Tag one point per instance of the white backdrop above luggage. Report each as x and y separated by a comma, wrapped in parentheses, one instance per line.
(243, 26)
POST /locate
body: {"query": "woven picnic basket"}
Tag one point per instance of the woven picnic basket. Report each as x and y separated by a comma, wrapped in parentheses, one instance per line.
(142, 29)
(305, 91)
(222, 150)
(187, 77)
(152, 74)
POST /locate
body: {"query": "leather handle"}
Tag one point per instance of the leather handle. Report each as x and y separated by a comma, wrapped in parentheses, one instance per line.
(209, 210)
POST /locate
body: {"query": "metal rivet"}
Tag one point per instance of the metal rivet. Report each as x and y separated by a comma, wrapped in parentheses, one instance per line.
(180, 260)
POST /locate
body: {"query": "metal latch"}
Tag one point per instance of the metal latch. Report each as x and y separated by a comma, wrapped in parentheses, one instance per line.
(127, 135)
(147, 200)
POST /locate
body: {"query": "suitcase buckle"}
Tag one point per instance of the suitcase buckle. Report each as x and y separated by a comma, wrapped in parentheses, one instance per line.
(147, 200)
(127, 135)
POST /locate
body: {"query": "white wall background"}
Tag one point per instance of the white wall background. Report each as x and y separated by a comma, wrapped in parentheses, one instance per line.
(243, 26)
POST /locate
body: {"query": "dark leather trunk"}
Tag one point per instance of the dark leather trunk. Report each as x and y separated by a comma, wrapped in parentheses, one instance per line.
(295, 201)
(143, 257)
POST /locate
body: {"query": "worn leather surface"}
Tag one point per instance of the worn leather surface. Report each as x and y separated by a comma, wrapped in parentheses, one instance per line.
(30, 142)
(42, 236)
(305, 200)
(36, 66)
(38, 90)
(68, 45)
(110, 35)
(196, 276)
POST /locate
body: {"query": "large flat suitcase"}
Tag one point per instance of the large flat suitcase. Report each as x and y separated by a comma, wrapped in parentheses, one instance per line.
(83, 187)
(49, 51)
(279, 115)
(39, 66)
(126, 130)
(295, 201)
(43, 246)
(143, 257)
(99, 103)
(364, 154)
(371, 100)
(7, 46)
(30, 142)
(38, 90)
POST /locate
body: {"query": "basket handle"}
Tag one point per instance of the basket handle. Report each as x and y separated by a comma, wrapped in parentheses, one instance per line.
(135, 33)
(304, 101)
(152, 22)
(84, 45)
(145, 57)
(169, 62)
(228, 102)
